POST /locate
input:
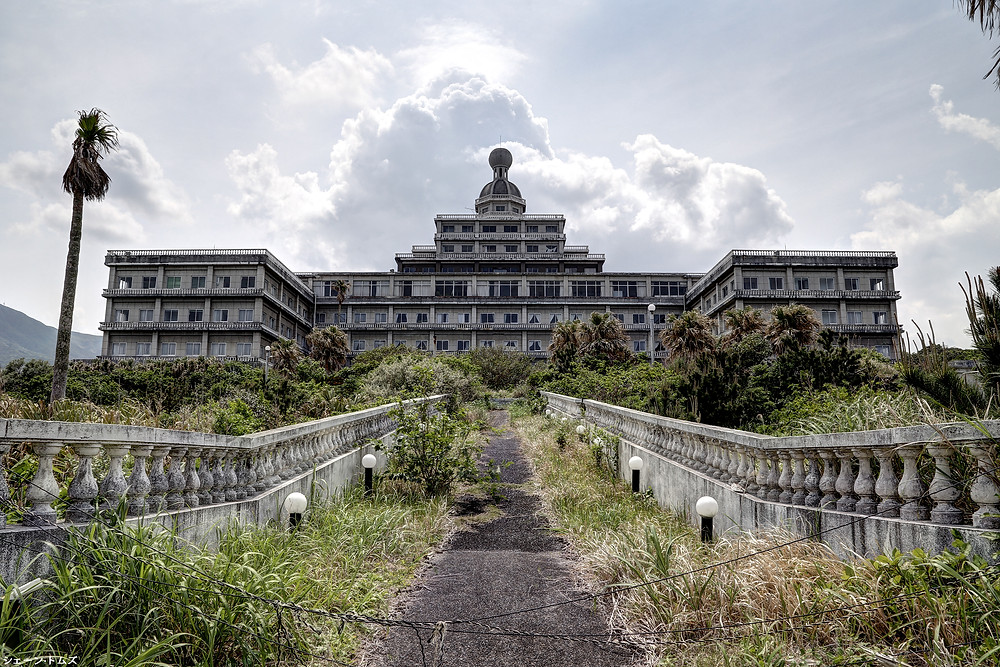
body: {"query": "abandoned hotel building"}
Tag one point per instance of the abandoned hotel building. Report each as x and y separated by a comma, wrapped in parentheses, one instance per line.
(499, 277)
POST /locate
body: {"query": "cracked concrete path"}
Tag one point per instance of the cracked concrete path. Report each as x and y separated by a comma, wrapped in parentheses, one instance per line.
(508, 563)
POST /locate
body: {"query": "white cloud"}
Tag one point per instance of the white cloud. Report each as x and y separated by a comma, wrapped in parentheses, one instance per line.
(342, 75)
(978, 128)
(457, 45)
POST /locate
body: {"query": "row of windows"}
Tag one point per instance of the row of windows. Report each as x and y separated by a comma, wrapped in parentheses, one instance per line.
(497, 269)
(507, 229)
(197, 282)
(190, 349)
(484, 318)
(831, 317)
(492, 248)
(825, 284)
(193, 315)
(465, 345)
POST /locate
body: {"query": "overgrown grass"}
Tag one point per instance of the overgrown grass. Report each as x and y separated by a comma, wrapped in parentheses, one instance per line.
(794, 604)
(132, 596)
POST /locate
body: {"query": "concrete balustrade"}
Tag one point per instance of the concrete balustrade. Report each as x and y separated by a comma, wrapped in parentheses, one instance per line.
(862, 491)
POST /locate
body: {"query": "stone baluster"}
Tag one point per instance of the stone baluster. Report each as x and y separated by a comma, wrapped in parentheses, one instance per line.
(175, 479)
(219, 478)
(305, 460)
(138, 481)
(943, 490)
(887, 484)
(763, 472)
(985, 492)
(287, 470)
(191, 480)
(741, 466)
(259, 471)
(828, 482)
(722, 464)
(83, 489)
(206, 480)
(773, 488)
(785, 480)
(735, 457)
(911, 489)
(242, 476)
(845, 481)
(750, 476)
(158, 482)
(813, 495)
(43, 489)
(864, 485)
(114, 485)
(231, 479)
(4, 489)
(798, 480)
(270, 466)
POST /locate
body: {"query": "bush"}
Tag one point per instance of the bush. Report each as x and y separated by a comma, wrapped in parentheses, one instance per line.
(499, 368)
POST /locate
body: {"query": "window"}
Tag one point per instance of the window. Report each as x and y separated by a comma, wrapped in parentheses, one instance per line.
(168, 349)
(749, 283)
(551, 229)
(854, 317)
(466, 229)
(442, 345)
(638, 346)
(668, 288)
(489, 248)
(532, 229)
(725, 291)
(441, 318)
(358, 346)
(486, 343)
(245, 315)
(510, 344)
(173, 282)
(638, 318)
(142, 349)
(877, 284)
(510, 248)
(243, 349)
(463, 346)
(400, 318)
(575, 317)
(489, 229)
(448, 248)
(421, 318)
(464, 318)
(220, 315)
(149, 282)
(884, 350)
(447, 229)
(619, 316)
(827, 284)
(552, 248)
(626, 288)
(554, 319)
(486, 318)
(169, 314)
(376, 344)
(197, 282)
(192, 349)
(381, 318)
(118, 349)
(510, 318)
(801, 283)
(420, 345)
(501, 288)
(829, 317)
(247, 282)
(467, 248)
(659, 319)
(534, 346)
(125, 282)
(196, 315)
(222, 282)
(544, 288)
(146, 315)
(776, 283)
(534, 318)
(320, 318)
(360, 318)
(511, 229)
(531, 248)
(585, 288)
(880, 317)
(500, 207)
(121, 315)
(451, 288)
(851, 284)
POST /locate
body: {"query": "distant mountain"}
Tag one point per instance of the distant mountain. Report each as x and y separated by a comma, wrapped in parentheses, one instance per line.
(22, 336)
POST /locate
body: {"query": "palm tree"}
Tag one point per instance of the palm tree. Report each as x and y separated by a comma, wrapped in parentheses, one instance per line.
(84, 179)
(987, 14)
(342, 286)
(983, 309)
(604, 336)
(689, 336)
(285, 356)
(567, 337)
(792, 327)
(329, 347)
(741, 323)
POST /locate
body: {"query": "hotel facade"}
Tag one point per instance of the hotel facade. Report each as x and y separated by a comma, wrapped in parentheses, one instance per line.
(499, 277)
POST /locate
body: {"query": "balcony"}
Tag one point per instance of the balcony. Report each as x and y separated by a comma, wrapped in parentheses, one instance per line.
(181, 326)
(885, 329)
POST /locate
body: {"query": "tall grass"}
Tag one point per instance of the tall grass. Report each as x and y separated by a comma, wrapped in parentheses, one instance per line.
(127, 595)
(794, 603)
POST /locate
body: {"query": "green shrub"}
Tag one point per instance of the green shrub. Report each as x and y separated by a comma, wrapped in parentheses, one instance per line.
(499, 368)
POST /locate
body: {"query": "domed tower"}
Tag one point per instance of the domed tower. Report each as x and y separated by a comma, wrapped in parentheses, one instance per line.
(500, 195)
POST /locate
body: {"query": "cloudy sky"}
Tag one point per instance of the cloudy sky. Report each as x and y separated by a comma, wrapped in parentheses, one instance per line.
(667, 131)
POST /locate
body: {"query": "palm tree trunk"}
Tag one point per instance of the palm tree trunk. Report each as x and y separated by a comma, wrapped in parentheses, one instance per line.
(60, 368)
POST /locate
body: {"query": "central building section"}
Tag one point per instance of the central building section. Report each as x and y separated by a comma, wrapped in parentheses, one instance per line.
(498, 278)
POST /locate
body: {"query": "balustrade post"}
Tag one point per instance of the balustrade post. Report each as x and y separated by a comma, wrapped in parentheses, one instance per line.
(219, 478)
(722, 464)
(734, 466)
(985, 492)
(785, 479)
(773, 488)
(828, 482)
(887, 484)
(943, 490)
(270, 462)
(175, 479)
(191, 481)
(113, 486)
(750, 485)
(83, 489)
(260, 471)
(864, 485)
(138, 481)
(251, 486)
(741, 466)
(4, 489)
(763, 472)
(798, 477)
(911, 489)
(242, 476)
(813, 494)
(158, 482)
(206, 480)
(231, 479)
(43, 489)
(845, 481)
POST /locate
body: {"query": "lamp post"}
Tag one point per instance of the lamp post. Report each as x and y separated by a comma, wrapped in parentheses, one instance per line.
(652, 309)
(368, 462)
(635, 465)
(295, 505)
(267, 359)
(706, 507)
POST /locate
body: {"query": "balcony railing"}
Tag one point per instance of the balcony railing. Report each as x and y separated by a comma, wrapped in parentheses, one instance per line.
(180, 326)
